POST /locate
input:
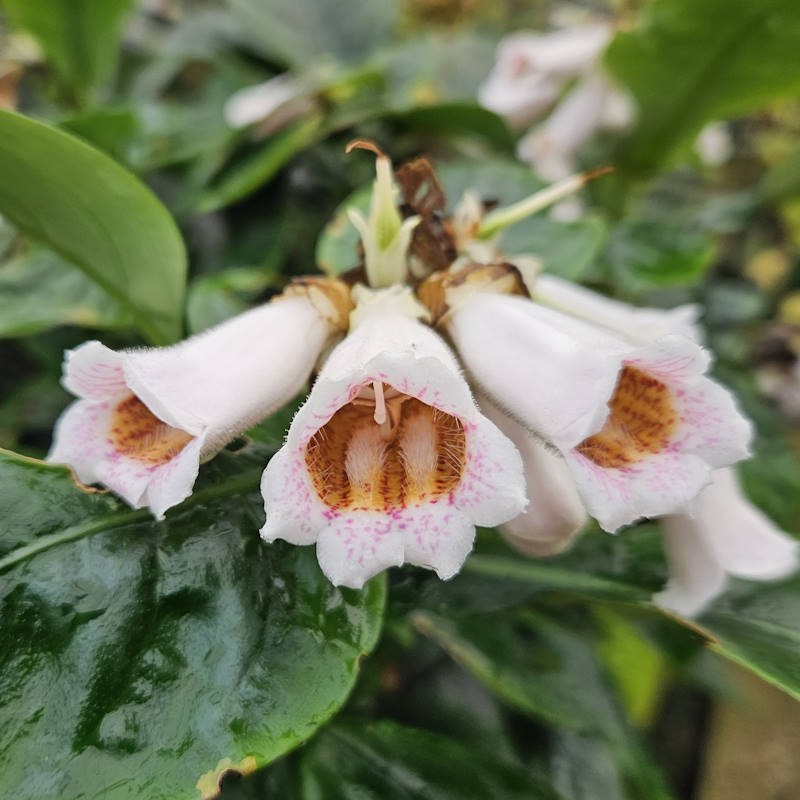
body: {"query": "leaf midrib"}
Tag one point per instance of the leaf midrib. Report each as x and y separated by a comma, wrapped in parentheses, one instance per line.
(242, 482)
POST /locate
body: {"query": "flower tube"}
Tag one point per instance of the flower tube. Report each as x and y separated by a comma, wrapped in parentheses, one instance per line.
(390, 460)
(723, 534)
(639, 325)
(146, 417)
(639, 426)
(556, 514)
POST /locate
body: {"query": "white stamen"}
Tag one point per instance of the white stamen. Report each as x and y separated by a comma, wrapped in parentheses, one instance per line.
(380, 402)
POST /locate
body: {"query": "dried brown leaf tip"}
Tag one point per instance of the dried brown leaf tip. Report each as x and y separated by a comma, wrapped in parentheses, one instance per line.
(432, 246)
(330, 296)
(442, 290)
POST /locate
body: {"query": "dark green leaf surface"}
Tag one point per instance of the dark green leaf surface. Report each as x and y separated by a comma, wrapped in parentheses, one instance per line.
(89, 209)
(39, 290)
(584, 768)
(690, 62)
(531, 663)
(548, 671)
(142, 659)
(385, 761)
(80, 37)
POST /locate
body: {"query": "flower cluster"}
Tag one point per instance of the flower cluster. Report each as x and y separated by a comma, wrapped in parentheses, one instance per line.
(579, 406)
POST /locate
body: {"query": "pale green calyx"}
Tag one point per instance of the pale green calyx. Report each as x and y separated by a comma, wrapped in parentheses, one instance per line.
(502, 218)
(385, 235)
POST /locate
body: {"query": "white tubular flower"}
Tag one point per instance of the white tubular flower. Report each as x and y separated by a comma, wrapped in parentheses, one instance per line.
(531, 69)
(639, 426)
(146, 417)
(556, 514)
(723, 534)
(640, 325)
(389, 460)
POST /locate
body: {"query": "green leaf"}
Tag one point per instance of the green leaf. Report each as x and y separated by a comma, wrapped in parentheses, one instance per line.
(688, 63)
(111, 130)
(531, 664)
(585, 768)
(79, 37)
(243, 178)
(758, 626)
(645, 254)
(386, 761)
(436, 69)
(90, 210)
(295, 33)
(548, 671)
(39, 290)
(457, 119)
(142, 659)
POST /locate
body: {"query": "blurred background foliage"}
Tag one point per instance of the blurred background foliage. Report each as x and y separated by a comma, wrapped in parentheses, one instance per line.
(133, 211)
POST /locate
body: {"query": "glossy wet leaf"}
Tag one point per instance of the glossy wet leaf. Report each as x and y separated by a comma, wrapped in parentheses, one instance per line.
(142, 659)
(39, 290)
(98, 216)
(80, 37)
(386, 761)
(688, 63)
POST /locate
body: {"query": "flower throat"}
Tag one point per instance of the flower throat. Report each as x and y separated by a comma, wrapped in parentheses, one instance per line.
(385, 450)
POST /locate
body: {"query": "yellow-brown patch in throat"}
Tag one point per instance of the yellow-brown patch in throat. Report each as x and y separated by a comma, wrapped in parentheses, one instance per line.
(641, 422)
(137, 433)
(417, 454)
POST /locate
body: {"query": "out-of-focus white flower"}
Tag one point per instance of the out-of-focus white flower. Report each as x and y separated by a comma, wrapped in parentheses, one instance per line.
(528, 77)
(552, 147)
(555, 515)
(722, 534)
(145, 418)
(531, 69)
(714, 144)
(273, 104)
(390, 460)
(640, 426)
